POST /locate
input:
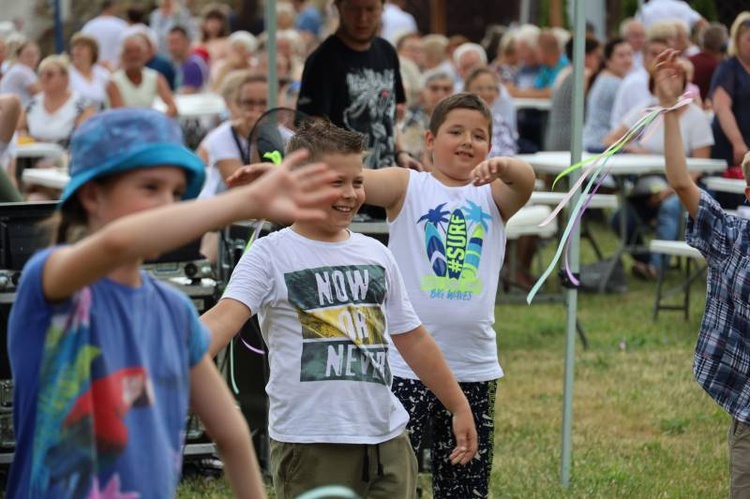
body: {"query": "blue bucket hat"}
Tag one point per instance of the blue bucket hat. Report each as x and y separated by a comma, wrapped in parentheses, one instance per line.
(120, 140)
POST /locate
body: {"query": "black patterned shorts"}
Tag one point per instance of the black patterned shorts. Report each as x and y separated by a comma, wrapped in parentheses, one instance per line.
(426, 413)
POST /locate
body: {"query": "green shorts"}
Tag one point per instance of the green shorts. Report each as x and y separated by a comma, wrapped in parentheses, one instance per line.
(387, 470)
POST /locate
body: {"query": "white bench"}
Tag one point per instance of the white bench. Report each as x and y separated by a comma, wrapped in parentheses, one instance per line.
(554, 198)
(721, 184)
(679, 249)
(598, 201)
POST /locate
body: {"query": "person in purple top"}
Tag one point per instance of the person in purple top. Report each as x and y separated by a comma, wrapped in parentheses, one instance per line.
(192, 70)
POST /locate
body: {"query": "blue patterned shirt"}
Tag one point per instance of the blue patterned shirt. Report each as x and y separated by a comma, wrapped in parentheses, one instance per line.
(722, 355)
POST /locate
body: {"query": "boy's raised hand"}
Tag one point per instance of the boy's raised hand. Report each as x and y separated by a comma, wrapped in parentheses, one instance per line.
(667, 81)
(248, 174)
(466, 437)
(287, 193)
(489, 170)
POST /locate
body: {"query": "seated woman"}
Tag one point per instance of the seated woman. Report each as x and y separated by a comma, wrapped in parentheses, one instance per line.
(87, 77)
(56, 111)
(652, 201)
(225, 149)
(20, 78)
(436, 84)
(618, 59)
(135, 85)
(241, 50)
(485, 83)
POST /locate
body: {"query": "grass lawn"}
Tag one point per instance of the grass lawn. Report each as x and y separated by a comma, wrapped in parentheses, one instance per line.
(642, 427)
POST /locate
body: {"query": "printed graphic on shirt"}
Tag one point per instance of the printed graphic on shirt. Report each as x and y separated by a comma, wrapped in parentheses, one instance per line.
(343, 326)
(453, 245)
(371, 111)
(80, 428)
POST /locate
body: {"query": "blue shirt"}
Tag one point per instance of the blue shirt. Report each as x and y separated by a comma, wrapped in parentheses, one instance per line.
(722, 354)
(547, 74)
(101, 387)
(164, 66)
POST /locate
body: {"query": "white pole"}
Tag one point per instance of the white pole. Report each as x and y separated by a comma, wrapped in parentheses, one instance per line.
(272, 73)
(525, 11)
(579, 33)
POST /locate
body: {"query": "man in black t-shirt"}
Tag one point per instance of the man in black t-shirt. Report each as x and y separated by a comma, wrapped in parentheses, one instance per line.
(354, 80)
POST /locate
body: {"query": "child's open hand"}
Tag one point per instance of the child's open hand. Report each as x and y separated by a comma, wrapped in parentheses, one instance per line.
(286, 193)
(248, 174)
(466, 437)
(668, 77)
(489, 170)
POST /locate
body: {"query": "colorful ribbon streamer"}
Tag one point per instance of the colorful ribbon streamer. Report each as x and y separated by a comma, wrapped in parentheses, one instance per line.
(595, 171)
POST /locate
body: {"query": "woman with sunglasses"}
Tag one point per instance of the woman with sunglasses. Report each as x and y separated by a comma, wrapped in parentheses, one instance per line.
(56, 111)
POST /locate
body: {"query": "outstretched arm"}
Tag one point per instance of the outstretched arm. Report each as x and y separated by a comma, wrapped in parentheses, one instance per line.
(224, 320)
(211, 401)
(422, 354)
(512, 182)
(282, 194)
(386, 188)
(667, 88)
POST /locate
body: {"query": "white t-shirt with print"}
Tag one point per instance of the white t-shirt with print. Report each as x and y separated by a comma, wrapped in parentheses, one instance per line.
(449, 243)
(326, 311)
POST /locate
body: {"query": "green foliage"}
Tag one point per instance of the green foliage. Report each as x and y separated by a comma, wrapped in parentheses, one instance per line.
(706, 8)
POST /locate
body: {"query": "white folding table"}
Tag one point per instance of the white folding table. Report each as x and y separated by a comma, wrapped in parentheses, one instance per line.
(620, 166)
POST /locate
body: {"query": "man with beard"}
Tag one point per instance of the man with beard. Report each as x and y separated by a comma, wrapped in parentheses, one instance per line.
(354, 80)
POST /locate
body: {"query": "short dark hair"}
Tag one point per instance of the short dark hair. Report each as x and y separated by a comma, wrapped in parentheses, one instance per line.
(135, 15)
(320, 136)
(462, 100)
(180, 30)
(591, 45)
(611, 45)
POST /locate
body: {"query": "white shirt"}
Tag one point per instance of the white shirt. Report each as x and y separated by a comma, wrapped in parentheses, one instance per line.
(664, 10)
(633, 91)
(449, 243)
(107, 31)
(220, 145)
(326, 311)
(57, 126)
(695, 128)
(142, 95)
(396, 22)
(95, 90)
(16, 81)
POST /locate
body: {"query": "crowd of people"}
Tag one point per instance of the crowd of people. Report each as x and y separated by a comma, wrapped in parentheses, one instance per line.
(397, 341)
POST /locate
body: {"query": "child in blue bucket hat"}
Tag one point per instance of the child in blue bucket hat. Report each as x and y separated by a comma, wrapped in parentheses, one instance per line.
(106, 359)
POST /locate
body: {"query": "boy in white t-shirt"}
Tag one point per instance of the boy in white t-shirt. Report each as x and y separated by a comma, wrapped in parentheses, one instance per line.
(329, 302)
(447, 232)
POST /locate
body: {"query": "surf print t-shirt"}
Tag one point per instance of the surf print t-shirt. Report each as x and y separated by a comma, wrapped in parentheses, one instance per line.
(449, 243)
(326, 311)
(101, 388)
